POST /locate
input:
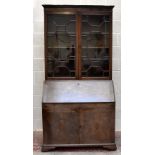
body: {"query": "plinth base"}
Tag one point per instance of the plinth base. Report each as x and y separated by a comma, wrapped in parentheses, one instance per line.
(52, 147)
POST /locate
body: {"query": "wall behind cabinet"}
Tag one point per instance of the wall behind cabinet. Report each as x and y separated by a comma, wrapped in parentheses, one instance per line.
(38, 53)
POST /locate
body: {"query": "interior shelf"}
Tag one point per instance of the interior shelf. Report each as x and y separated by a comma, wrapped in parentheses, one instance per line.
(61, 47)
(94, 32)
(64, 33)
(94, 47)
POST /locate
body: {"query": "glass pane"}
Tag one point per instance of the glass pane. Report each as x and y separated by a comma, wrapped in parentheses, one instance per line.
(61, 23)
(95, 62)
(61, 41)
(95, 45)
(95, 23)
(95, 40)
(61, 45)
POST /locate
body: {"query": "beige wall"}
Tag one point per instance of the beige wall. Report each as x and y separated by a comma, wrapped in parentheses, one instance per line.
(38, 53)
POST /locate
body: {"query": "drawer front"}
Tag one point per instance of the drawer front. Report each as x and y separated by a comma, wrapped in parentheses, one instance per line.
(60, 124)
(97, 123)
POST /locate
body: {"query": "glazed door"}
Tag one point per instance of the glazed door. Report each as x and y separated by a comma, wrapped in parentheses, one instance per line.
(60, 46)
(95, 46)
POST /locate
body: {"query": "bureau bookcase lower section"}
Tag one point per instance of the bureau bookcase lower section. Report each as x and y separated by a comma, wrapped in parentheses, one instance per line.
(78, 125)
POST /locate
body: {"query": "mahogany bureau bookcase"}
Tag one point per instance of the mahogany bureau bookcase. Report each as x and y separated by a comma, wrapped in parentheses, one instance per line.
(78, 104)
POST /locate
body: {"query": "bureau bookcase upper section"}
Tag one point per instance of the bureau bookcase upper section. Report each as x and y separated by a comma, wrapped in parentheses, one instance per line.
(78, 42)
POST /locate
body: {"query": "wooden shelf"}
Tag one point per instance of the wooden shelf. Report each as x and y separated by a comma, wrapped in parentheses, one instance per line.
(49, 34)
(94, 32)
(61, 47)
(95, 59)
(94, 47)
